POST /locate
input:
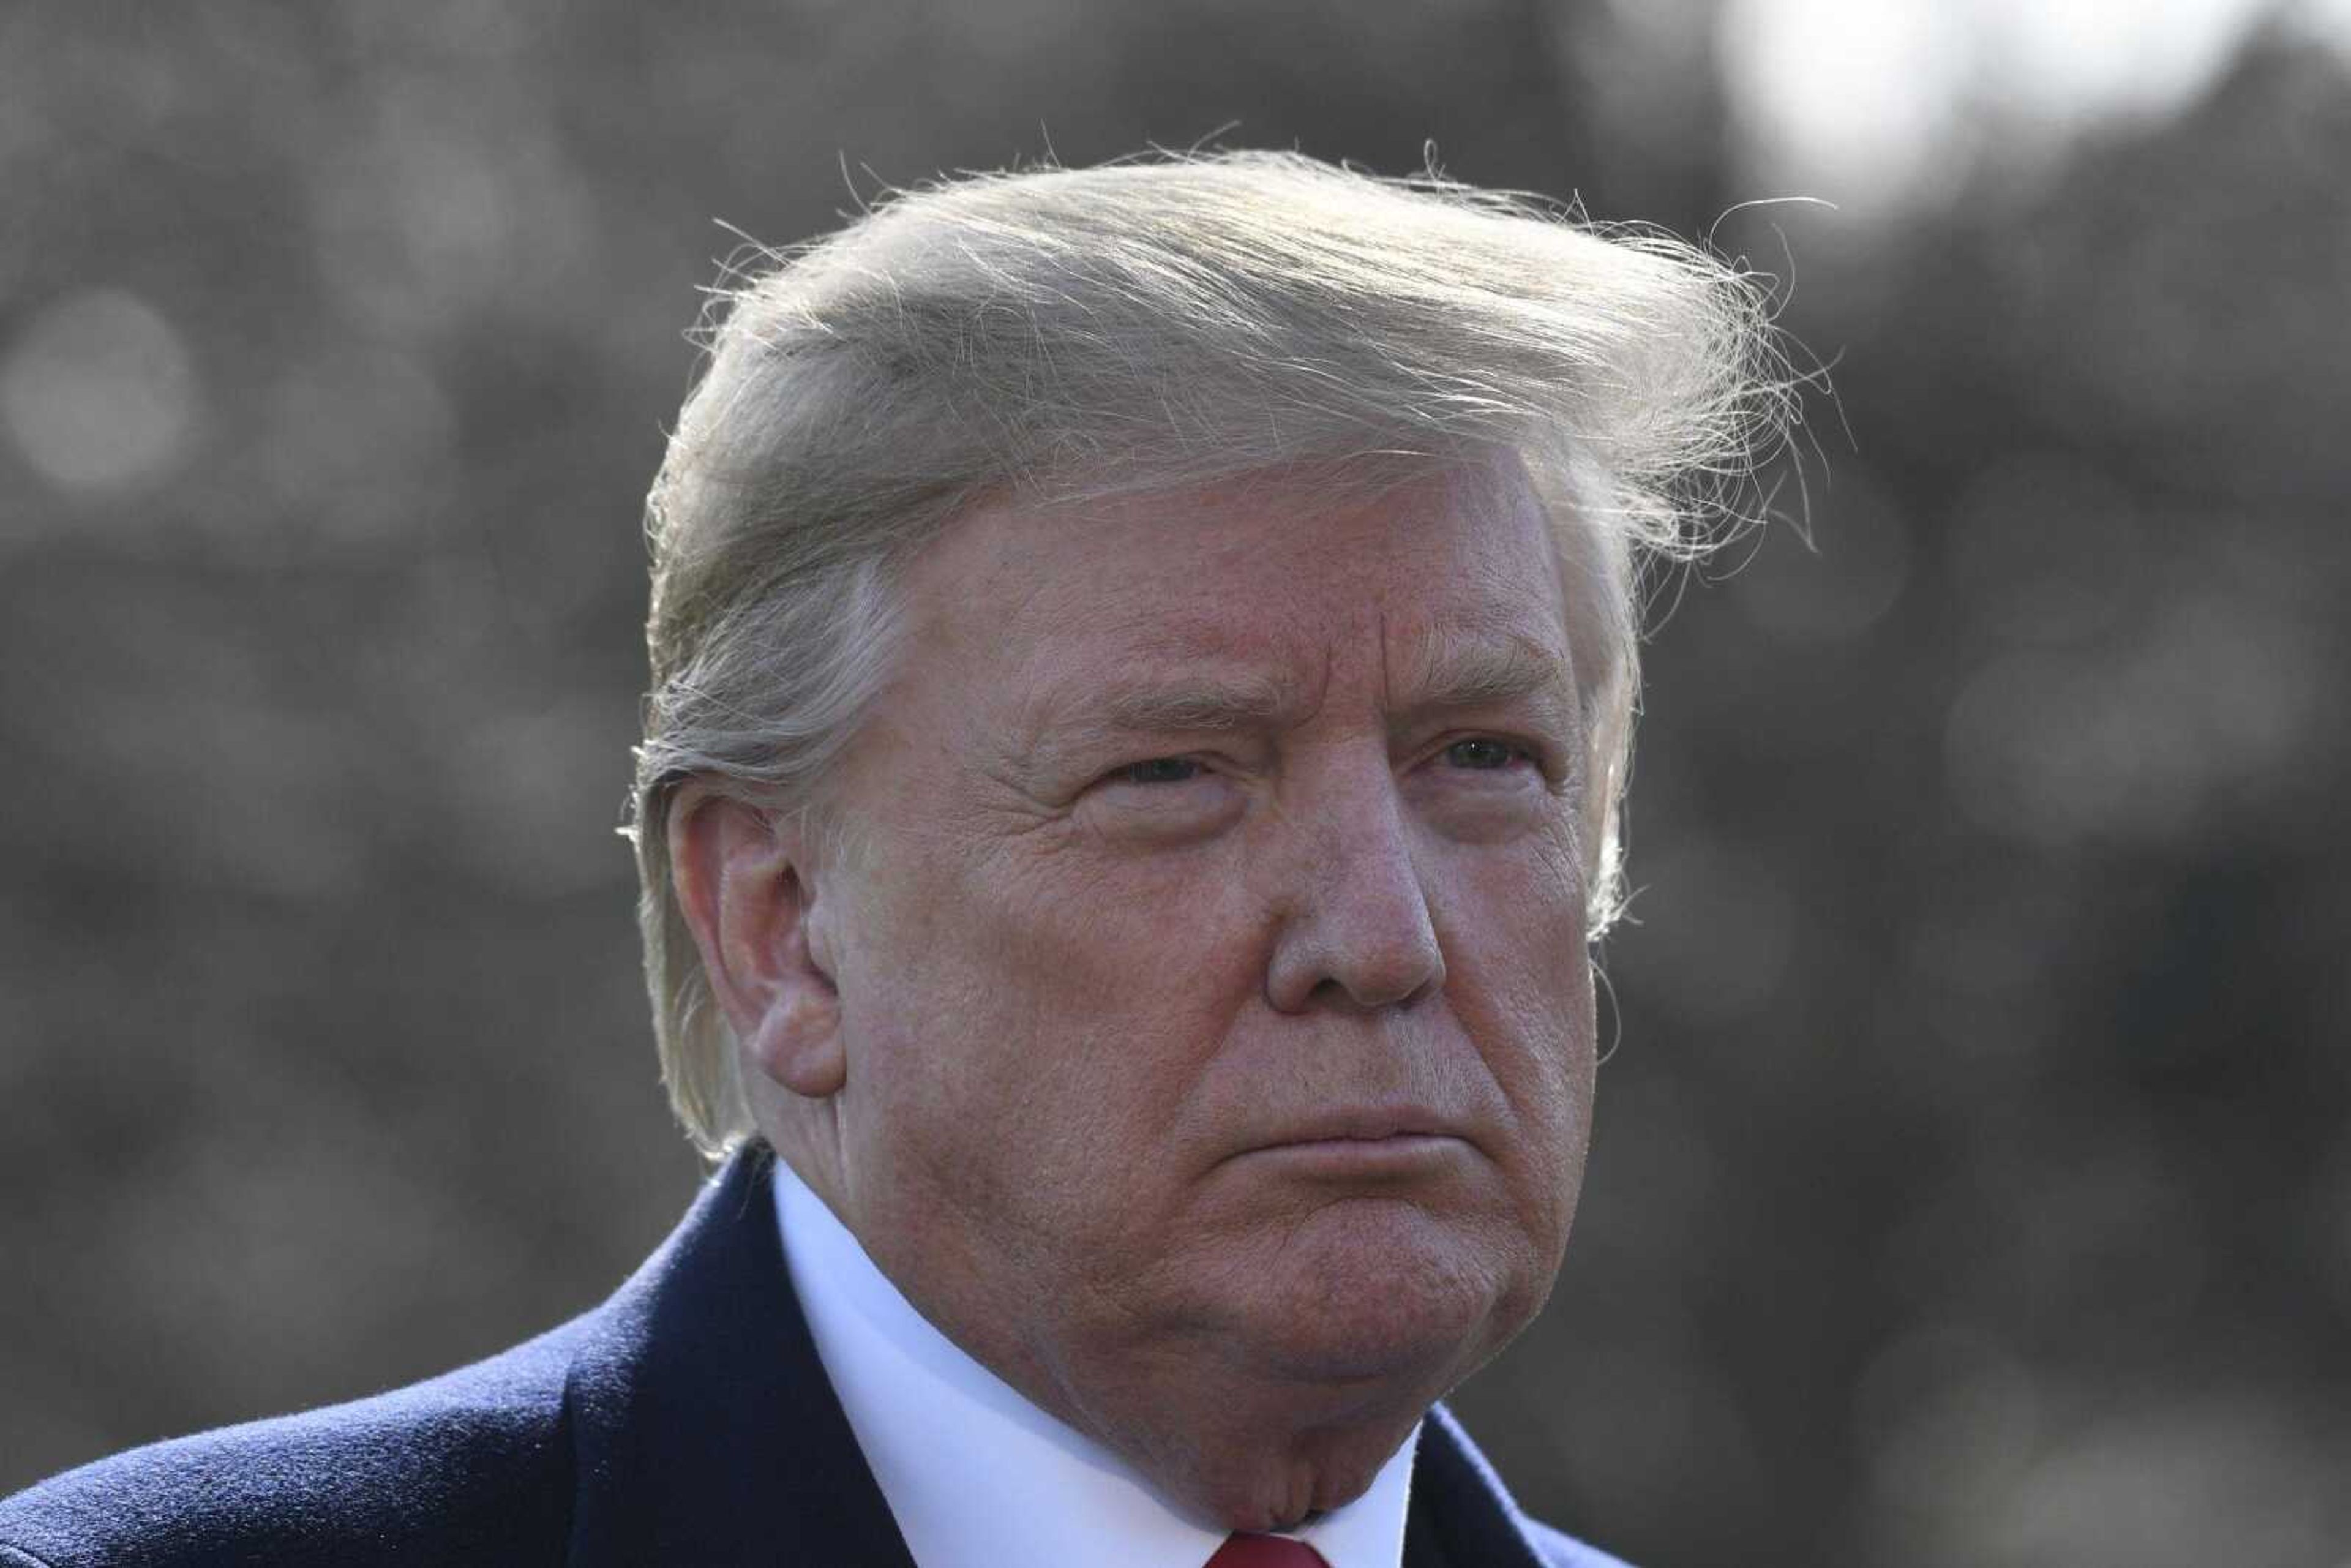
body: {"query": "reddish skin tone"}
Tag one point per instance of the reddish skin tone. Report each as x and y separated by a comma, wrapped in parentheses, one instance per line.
(1219, 1077)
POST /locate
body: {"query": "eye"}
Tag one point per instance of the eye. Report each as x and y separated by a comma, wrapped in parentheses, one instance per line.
(1162, 801)
(1158, 771)
(1484, 755)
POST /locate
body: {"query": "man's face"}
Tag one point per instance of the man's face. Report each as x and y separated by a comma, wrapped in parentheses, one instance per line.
(1213, 982)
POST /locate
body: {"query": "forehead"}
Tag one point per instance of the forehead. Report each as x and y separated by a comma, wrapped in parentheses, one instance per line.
(1450, 565)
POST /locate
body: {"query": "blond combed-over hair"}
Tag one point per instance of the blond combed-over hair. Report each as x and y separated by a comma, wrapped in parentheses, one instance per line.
(1067, 335)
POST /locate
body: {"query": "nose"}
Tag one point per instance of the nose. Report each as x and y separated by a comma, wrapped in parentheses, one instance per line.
(1356, 929)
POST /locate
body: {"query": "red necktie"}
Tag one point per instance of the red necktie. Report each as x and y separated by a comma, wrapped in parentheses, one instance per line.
(1265, 1552)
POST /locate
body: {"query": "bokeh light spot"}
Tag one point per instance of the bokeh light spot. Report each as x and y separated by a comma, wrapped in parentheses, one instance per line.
(99, 394)
(1947, 1415)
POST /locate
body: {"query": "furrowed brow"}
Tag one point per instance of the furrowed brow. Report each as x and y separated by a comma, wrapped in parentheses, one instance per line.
(1510, 671)
(1076, 721)
(1186, 705)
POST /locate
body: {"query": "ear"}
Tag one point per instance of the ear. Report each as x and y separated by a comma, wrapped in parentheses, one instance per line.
(742, 877)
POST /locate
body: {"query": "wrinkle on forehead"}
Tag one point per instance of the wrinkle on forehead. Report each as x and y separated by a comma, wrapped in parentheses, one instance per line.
(1484, 664)
(1167, 645)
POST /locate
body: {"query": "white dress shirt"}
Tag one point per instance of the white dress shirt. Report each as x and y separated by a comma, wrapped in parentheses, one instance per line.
(976, 1476)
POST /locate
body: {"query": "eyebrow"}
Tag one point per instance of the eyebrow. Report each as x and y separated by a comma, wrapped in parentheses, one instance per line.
(1077, 721)
(1190, 703)
(1451, 674)
(1458, 673)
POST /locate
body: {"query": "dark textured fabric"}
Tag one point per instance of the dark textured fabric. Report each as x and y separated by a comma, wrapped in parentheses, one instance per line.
(685, 1421)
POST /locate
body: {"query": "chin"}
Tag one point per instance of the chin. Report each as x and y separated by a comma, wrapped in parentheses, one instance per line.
(1380, 1293)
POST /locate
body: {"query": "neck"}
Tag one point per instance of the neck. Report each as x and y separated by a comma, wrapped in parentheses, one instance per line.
(1250, 1452)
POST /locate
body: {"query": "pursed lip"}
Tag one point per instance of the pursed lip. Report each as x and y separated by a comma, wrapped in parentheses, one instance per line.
(1368, 1126)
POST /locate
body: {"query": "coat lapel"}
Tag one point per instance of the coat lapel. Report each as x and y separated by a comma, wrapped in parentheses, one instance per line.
(1461, 1516)
(703, 1427)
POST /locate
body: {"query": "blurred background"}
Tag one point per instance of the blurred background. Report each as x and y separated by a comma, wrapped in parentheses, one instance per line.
(1973, 1176)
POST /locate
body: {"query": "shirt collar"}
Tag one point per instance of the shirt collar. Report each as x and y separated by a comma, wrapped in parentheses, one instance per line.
(978, 1476)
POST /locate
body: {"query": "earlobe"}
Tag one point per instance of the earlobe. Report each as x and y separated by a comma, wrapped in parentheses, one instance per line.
(741, 877)
(797, 1040)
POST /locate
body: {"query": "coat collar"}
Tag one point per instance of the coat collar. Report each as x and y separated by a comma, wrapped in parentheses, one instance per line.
(704, 1429)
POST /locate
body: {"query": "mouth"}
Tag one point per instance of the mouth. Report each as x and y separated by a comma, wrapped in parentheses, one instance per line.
(1363, 1125)
(1370, 1141)
(1408, 1161)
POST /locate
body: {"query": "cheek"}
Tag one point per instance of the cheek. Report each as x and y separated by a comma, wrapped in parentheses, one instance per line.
(1039, 1019)
(1521, 978)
